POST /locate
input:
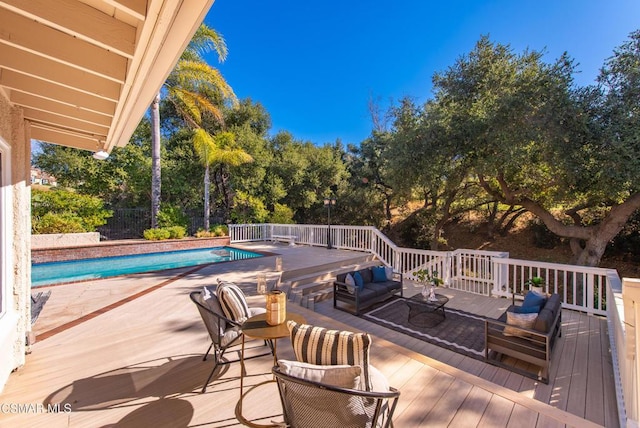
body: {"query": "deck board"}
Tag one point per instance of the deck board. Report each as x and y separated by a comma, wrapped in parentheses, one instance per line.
(472, 409)
(132, 365)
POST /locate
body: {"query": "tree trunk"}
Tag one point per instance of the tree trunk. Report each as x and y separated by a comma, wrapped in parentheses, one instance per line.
(595, 237)
(155, 161)
(207, 191)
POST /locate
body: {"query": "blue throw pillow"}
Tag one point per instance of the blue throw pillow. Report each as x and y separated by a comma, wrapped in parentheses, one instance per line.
(527, 309)
(379, 274)
(358, 279)
(533, 299)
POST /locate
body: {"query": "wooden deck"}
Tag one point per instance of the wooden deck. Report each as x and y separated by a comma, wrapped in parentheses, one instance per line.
(140, 364)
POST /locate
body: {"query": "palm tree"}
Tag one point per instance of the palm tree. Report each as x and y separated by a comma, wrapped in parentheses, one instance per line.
(191, 87)
(219, 149)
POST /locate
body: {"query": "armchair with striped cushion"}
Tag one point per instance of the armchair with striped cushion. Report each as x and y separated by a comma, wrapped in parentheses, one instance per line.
(332, 382)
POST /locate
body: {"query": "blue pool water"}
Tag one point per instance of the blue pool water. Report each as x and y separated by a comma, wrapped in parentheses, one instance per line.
(81, 270)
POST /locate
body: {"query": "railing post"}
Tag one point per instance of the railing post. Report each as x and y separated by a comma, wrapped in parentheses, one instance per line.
(631, 299)
(448, 268)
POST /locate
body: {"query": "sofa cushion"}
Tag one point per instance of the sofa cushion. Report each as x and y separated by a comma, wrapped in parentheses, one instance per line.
(388, 271)
(544, 321)
(351, 283)
(553, 303)
(379, 274)
(366, 275)
(367, 293)
(548, 314)
(520, 321)
(393, 286)
(341, 277)
(358, 280)
(526, 309)
(375, 289)
(533, 299)
(317, 345)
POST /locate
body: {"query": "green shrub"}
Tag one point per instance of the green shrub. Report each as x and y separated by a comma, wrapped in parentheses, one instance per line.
(176, 232)
(156, 234)
(220, 230)
(201, 233)
(281, 214)
(62, 211)
(215, 230)
(248, 209)
(57, 223)
(172, 216)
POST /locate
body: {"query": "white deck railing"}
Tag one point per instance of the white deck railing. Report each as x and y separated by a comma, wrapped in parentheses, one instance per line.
(595, 291)
(488, 273)
(582, 288)
(624, 332)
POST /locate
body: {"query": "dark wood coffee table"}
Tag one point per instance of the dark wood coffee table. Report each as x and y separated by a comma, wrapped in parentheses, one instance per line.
(424, 312)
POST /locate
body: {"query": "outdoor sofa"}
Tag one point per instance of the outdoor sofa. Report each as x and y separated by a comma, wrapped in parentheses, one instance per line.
(378, 283)
(533, 344)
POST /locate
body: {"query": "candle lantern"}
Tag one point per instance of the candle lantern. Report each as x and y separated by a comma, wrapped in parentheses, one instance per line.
(278, 264)
(276, 307)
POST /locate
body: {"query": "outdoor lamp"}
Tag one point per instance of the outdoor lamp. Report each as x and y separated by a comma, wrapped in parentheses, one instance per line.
(100, 155)
(329, 202)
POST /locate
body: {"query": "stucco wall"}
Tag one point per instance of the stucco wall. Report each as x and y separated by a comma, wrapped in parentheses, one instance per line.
(15, 321)
(55, 240)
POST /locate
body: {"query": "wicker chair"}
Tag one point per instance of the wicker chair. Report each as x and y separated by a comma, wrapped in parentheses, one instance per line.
(308, 404)
(224, 333)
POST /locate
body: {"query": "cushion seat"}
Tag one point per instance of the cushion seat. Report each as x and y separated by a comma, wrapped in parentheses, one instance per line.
(533, 343)
(332, 383)
(374, 288)
(224, 332)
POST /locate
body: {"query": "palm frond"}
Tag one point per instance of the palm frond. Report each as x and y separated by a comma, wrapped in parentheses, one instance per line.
(229, 153)
(205, 40)
(186, 105)
(200, 76)
(205, 146)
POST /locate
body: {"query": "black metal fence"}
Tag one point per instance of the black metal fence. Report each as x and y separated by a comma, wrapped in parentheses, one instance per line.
(129, 223)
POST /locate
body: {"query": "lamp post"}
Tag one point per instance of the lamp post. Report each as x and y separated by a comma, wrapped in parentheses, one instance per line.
(329, 202)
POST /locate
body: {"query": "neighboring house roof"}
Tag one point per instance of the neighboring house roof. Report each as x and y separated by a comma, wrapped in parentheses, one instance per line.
(85, 71)
(38, 176)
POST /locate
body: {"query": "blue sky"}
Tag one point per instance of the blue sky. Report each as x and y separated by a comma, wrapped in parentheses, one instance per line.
(314, 65)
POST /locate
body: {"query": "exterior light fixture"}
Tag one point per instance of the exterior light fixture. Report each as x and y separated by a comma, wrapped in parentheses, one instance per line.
(100, 155)
(329, 202)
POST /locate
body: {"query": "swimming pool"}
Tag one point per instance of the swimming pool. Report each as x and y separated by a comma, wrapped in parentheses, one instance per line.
(85, 269)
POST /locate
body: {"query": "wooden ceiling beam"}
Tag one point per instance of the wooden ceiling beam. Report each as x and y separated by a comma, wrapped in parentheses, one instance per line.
(136, 8)
(39, 39)
(55, 72)
(37, 103)
(65, 122)
(78, 20)
(34, 86)
(63, 138)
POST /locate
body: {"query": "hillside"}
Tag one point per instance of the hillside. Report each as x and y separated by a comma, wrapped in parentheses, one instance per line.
(520, 244)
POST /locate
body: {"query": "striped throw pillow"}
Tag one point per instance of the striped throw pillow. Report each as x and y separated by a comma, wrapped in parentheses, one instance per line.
(317, 345)
(234, 305)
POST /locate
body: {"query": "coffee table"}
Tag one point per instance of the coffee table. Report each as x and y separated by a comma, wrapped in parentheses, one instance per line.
(256, 327)
(424, 312)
